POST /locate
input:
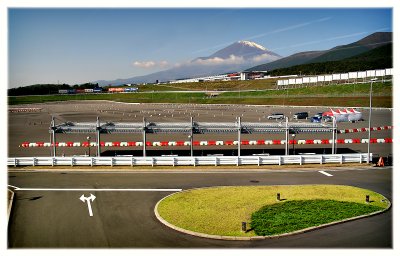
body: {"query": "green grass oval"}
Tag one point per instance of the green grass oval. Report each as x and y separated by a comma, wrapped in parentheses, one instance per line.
(221, 210)
(295, 215)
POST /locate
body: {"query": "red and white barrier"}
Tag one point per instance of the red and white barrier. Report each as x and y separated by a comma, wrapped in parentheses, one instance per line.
(380, 128)
(202, 143)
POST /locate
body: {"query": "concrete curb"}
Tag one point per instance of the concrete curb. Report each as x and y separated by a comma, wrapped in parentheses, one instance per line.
(239, 238)
(10, 195)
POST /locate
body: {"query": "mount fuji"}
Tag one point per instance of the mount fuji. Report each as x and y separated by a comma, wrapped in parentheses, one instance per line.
(235, 57)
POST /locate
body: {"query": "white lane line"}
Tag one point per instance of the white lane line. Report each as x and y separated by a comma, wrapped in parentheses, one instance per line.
(14, 187)
(325, 173)
(101, 189)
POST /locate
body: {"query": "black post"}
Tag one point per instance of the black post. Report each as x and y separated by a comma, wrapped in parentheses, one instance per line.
(278, 197)
(244, 228)
(367, 198)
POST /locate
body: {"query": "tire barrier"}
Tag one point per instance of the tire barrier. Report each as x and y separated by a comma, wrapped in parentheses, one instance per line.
(380, 128)
(201, 143)
(20, 110)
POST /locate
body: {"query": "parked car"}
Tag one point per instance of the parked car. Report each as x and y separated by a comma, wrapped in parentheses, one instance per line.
(300, 115)
(317, 118)
(327, 118)
(276, 116)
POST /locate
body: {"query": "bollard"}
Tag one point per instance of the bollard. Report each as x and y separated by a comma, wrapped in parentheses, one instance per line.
(367, 198)
(244, 229)
(278, 197)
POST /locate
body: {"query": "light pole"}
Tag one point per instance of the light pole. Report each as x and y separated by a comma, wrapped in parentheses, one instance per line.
(369, 118)
(88, 139)
(293, 136)
(191, 145)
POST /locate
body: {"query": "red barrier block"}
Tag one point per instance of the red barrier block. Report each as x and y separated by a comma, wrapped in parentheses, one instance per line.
(260, 142)
(388, 140)
(180, 143)
(229, 142)
(356, 141)
(276, 142)
(116, 144)
(196, 143)
(25, 144)
(69, 144)
(85, 144)
(309, 141)
(244, 142)
(325, 141)
(131, 143)
(292, 142)
(102, 144)
(211, 143)
(374, 140)
(340, 141)
(164, 143)
(149, 144)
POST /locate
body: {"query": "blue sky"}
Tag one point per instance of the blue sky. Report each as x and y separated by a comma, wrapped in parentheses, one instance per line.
(81, 45)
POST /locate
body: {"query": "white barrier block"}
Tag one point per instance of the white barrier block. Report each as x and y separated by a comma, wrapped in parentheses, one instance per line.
(123, 144)
(348, 141)
(47, 144)
(156, 144)
(268, 142)
(172, 143)
(235, 142)
(186, 143)
(283, 142)
(252, 142)
(93, 144)
(108, 144)
(61, 144)
(139, 144)
(75, 144)
(301, 142)
(219, 143)
(364, 141)
(380, 141)
(203, 143)
(317, 142)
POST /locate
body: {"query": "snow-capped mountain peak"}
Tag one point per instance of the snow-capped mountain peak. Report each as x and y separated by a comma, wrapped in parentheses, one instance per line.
(252, 44)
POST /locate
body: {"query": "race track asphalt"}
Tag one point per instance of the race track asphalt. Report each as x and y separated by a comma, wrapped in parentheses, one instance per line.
(125, 219)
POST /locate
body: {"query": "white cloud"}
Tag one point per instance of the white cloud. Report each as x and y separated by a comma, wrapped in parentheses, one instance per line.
(150, 64)
(217, 61)
(264, 57)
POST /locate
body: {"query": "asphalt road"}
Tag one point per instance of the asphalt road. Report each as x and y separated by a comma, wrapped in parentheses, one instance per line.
(125, 219)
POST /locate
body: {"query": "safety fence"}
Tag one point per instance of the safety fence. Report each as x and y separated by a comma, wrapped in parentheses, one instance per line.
(350, 76)
(202, 143)
(188, 161)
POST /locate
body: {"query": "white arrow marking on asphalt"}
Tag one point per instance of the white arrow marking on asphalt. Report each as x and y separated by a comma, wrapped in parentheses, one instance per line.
(325, 173)
(88, 199)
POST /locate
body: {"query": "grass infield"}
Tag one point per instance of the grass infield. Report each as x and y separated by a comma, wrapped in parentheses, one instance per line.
(221, 210)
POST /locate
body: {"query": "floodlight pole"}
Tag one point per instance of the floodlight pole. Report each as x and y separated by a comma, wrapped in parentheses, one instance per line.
(369, 118)
(53, 135)
(333, 134)
(191, 136)
(144, 137)
(287, 137)
(239, 133)
(98, 136)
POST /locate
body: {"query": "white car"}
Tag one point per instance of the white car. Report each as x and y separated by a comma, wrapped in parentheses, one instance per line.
(276, 116)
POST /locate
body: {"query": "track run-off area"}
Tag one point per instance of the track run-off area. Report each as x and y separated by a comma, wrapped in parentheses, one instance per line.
(114, 208)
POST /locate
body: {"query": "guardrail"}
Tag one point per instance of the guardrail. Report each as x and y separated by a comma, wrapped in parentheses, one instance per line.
(189, 161)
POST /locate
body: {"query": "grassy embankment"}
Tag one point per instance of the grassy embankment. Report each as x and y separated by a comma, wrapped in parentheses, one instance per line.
(263, 94)
(221, 210)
